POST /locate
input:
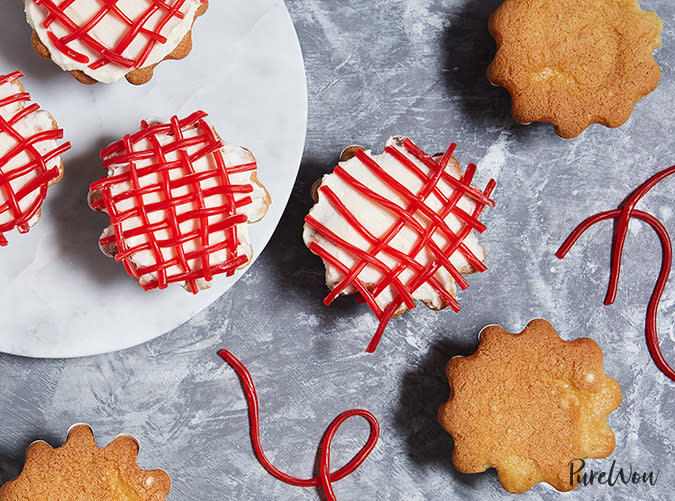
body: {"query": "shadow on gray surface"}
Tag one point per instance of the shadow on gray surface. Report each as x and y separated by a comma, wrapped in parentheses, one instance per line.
(468, 49)
(423, 390)
(12, 461)
(296, 267)
(11, 464)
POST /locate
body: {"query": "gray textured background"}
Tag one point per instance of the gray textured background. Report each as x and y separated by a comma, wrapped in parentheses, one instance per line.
(374, 69)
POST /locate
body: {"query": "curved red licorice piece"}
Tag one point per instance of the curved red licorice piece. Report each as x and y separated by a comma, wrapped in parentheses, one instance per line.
(325, 478)
(623, 215)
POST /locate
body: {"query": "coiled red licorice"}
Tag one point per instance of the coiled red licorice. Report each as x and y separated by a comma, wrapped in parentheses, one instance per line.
(325, 478)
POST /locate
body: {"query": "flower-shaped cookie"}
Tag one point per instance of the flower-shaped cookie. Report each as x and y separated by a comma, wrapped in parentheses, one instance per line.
(179, 200)
(30, 160)
(79, 469)
(528, 404)
(574, 63)
(103, 41)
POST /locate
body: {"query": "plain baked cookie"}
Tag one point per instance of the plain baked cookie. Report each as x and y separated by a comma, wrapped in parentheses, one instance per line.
(80, 470)
(574, 63)
(527, 404)
(179, 200)
(105, 41)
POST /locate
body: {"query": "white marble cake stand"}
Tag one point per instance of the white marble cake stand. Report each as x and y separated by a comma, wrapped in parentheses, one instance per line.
(60, 297)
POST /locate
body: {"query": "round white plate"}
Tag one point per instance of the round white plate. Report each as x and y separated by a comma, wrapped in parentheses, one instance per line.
(60, 296)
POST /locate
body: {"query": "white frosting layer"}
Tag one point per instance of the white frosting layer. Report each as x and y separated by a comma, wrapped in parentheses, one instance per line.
(379, 220)
(233, 155)
(109, 31)
(32, 124)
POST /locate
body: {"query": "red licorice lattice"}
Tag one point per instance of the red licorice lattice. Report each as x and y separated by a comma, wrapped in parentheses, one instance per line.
(624, 215)
(416, 203)
(135, 28)
(24, 202)
(325, 478)
(149, 181)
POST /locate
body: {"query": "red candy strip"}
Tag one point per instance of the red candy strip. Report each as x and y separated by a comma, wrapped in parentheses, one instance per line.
(36, 166)
(414, 203)
(325, 478)
(623, 215)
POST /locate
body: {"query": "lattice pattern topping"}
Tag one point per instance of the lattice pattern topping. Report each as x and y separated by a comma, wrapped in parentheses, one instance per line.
(426, 260)
(29, 157)
(146, 28)
(175, 212)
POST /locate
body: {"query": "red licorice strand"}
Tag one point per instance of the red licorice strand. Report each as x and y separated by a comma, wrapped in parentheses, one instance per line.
(404, 217)
(439, 255)
(19, 215)
(122, 157)
(67, 51)
(178, 277)
(407, 215)
(142, 213)
(358, 284)
(10, 77)
(123, 152)
(325, 477)
(29, 110)
(185, 237)
(119, 148)
(172, 222)
(223, 170)
(417, 203)
(203, 218)
(14, 98)
(174, 183)
(452, 247)
(369, 257)
(227, 268)
(405, 261)
(472, 192)
(175, 241)
(463, 185)
(652, 310)
(666, 263)
(163, 204)
(184, 166)
(212, 211)
(37, 167)
(230, 265)
(624, 215)
(364, 256)
(384, 321)
(135, 28)
(448, 205)
(25, 145)
(390, 312)
(133, 32)
(623, 229)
